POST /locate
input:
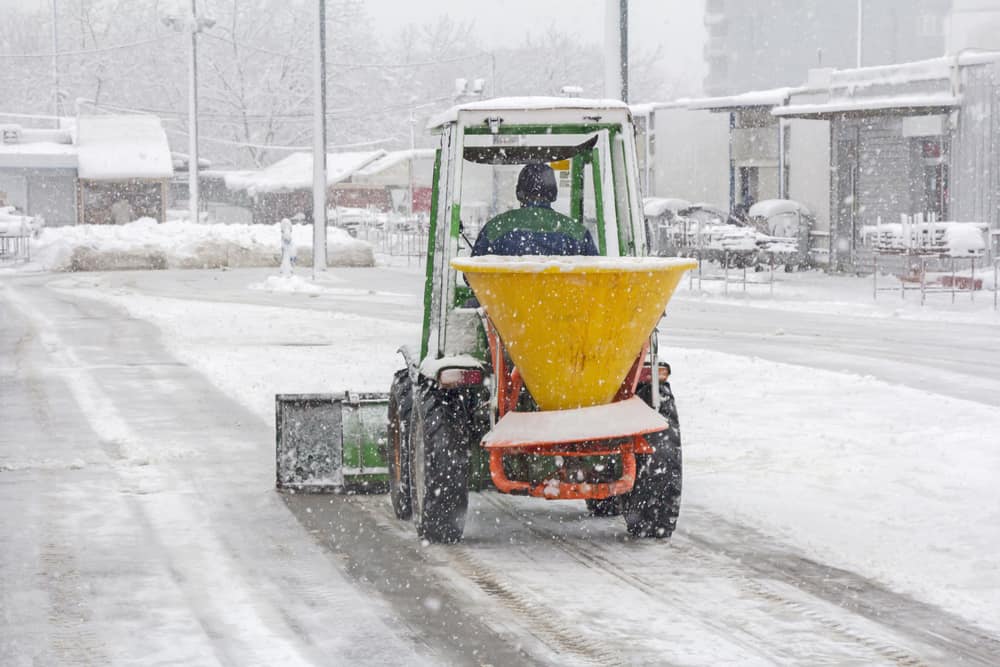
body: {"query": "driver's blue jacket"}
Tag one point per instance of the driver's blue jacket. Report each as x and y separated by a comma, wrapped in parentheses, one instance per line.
(533, 230)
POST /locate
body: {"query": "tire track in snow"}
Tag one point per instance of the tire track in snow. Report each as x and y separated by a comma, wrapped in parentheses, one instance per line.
(202, 575)
(595, 554)
(541, 622)
(860, 596)
(541, 626)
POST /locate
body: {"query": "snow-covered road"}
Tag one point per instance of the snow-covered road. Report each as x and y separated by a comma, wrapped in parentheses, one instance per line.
(837, 517)
(138, 523)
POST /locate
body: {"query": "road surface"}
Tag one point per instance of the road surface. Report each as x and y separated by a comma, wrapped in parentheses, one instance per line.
(140, 524)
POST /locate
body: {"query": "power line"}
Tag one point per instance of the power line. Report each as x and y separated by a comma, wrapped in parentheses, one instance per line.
(33, 116)
(244, 144)
(423, 63)
(86, 52)
(338, 113)
(215, 115)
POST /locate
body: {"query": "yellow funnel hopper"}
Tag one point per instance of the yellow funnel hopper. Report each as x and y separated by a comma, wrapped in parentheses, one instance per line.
(573, 325)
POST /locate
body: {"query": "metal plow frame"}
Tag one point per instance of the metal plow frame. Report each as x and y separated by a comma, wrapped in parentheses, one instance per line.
(331, 443)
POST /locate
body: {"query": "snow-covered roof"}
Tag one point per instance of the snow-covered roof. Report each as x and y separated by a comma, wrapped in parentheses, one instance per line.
(37, 149)
(909, 72)
(523, 104)
(114, 148)
(295, 172)
(916, 102)
(656, 206)
(768, 207)
(648, 108)
(918, 87)
(394, 158)
(754, 98)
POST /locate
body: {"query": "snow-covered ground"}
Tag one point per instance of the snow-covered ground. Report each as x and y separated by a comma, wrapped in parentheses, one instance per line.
(890, 480)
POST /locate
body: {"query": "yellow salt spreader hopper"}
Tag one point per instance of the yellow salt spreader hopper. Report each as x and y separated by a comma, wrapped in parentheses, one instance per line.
(574, 332)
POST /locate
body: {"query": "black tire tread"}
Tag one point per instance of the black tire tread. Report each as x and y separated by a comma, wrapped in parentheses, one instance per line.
(446, 466)
(400, 409)
(606, 506)
(652, 507)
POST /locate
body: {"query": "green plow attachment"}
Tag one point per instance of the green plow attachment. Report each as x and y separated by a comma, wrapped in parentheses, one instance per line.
(331, 443)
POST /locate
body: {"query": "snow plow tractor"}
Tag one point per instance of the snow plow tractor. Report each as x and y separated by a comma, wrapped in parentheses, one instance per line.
(535, 374)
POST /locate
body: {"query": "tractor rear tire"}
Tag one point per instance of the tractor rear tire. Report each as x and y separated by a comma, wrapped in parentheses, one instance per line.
(652, 507)
(440, 464)
(606, 506)
(398, 444)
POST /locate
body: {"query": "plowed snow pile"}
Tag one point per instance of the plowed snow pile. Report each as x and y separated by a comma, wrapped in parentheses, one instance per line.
(148, 244)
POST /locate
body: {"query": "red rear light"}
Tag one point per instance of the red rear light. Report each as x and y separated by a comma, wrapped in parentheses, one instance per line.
(459, 377)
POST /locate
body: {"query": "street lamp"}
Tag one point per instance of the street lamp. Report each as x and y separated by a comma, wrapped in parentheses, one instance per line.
(193, 24)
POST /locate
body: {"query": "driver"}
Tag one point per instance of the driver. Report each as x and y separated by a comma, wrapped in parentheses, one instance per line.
(534, 229)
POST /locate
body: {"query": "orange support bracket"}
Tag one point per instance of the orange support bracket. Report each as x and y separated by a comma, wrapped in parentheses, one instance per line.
(555, 489)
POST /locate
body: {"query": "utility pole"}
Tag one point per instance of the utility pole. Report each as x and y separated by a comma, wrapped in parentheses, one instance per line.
(413, 155)
(616, 49)
(861, 31)
(319, 143)
(193, 25)
(193, 116)
(55, 63)
(623, 46)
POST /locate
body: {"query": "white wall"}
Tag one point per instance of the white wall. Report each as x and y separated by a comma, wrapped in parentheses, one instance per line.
(809, 167)
(973, 24)
(692, 156)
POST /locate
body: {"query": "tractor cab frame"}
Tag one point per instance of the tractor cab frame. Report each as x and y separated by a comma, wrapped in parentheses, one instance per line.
(591, 143)
(459, 382)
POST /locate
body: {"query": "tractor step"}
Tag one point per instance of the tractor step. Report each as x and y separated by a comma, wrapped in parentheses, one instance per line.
(624, 419)
(331, 443)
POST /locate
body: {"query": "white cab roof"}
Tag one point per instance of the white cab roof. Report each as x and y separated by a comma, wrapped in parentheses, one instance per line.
(526, 104)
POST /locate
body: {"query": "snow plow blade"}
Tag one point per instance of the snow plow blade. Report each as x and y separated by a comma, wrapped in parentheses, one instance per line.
(331, 443)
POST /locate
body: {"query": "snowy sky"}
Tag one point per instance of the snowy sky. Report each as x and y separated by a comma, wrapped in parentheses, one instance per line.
(674, 25)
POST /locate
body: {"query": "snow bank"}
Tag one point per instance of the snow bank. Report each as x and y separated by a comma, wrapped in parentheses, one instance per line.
(287, 284)
(887, 481)
(147, 244)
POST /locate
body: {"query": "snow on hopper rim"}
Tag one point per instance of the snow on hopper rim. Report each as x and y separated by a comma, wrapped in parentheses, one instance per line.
(569, 264)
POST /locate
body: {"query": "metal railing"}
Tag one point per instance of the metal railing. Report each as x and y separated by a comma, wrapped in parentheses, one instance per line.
(952, 281)
(14, 248)
(739, 276)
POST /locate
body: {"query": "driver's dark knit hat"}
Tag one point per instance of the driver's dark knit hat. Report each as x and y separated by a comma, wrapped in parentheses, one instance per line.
(536, 185)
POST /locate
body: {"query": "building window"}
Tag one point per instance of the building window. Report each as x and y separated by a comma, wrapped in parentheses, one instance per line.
(930, 25)
(935, 169)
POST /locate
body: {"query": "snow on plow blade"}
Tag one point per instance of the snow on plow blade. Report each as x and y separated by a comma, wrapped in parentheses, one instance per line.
(331, 442)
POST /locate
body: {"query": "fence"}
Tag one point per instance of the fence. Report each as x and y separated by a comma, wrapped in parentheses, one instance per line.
(732, 275)
(395, 242)
(915, 247)
(15, 237)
